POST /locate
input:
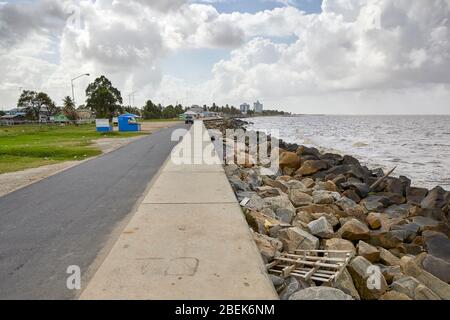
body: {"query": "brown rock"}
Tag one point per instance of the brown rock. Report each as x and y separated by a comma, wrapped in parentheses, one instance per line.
(326, 186)
(299, 198)
(295, 238)
(266, 245)
(317, 208)
(394, 295)
(260, 222)
(330, 218)
(391, 273)
(274, 184)
(351, 194)
(308, 182)
(367, 251)
(374, 221)
(354, 230)
(304, 217)
(289, 160)
(310, 167)
(384, 239)
(339, 245)
(266, 191)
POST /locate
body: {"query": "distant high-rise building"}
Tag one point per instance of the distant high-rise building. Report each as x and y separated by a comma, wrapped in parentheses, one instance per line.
(258, 107)
(245, 108)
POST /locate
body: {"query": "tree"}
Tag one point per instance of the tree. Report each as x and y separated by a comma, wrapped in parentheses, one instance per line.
(103, 98)
(35, 103)
(151, 111)
(2, 113)
(69, 109)
(179, 109)
(169, 112)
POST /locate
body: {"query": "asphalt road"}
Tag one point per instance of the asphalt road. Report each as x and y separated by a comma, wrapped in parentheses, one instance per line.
(68, 218)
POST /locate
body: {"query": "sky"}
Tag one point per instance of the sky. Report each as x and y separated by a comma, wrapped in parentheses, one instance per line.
(301, 56)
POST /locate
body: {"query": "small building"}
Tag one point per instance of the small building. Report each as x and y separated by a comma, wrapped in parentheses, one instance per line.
(258, 107)
(44, 116)
(196, 108)
(129, 123)
(60, 119)
(85, 114)
(13, 119)
(195, 113)
(245, 108)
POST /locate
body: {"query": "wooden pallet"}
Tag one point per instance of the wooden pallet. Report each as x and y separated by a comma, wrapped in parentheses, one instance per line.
(315, 265)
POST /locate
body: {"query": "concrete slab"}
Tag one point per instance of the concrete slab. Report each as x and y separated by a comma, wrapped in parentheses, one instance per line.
(188, 240)
(183, 252)
(191, 187)
(171, 167)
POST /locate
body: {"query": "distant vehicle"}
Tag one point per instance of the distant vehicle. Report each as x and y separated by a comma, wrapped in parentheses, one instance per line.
(189, 119)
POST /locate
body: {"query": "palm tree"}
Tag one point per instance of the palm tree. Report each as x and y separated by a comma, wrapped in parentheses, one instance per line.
(69, 109)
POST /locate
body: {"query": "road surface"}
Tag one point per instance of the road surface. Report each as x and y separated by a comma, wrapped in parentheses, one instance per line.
(68, 218)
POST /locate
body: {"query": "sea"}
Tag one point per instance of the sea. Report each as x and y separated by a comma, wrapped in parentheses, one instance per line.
(419, 146)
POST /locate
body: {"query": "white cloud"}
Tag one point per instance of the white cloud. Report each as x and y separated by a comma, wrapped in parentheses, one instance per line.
(355, 51)
(406, 47)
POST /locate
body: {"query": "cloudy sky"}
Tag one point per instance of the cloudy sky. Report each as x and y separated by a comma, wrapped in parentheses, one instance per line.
(303, 56)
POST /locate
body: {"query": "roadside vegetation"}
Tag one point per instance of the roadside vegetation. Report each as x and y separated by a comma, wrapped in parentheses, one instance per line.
(30, 146)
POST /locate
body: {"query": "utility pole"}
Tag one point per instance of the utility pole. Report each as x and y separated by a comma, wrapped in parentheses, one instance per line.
(129, 98)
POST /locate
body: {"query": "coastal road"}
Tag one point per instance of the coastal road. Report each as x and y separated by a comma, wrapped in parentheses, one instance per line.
(67, 219)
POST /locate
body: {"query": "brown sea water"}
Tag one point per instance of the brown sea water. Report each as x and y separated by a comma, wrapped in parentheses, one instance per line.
(418, 145)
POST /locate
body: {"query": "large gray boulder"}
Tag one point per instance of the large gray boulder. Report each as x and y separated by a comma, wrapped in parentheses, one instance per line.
(292, 285)
(437, 267)
(280, 202)
(437, 244)
(321, 228)
(345, 283)
(410, 268)
(414, 289)
(370, 284)
(436, 198)
(285, 215)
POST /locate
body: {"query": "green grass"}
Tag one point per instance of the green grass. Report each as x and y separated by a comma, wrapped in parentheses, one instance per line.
(30, 146)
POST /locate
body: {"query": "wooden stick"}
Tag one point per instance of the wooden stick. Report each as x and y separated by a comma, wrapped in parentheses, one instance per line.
(309, 263)
(317, 258)
(377, 183)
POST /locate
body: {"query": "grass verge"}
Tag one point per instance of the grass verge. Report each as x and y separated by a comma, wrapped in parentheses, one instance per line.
(31, 146)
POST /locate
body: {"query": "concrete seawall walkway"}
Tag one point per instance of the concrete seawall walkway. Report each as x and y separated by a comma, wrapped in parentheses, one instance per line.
(188, 240)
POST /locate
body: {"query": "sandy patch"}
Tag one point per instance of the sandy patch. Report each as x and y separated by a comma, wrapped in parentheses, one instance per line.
(151, 127)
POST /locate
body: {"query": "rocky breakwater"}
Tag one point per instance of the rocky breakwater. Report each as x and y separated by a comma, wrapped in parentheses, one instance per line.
(332, 202)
